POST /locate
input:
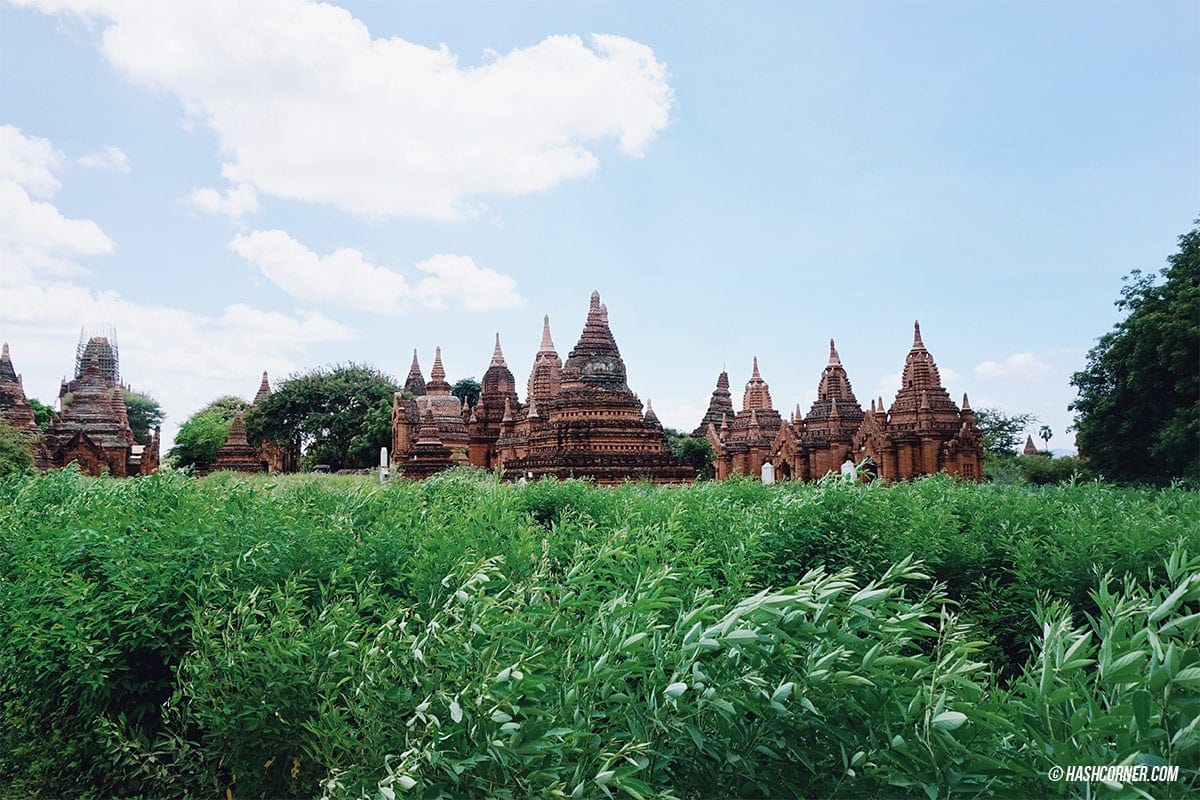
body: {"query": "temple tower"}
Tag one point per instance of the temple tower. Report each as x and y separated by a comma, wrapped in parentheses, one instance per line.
(924, 431)
(745, 444)
(719, 405)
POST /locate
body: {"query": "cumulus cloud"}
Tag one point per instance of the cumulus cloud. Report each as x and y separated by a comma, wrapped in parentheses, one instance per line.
(34, 235)
(307, 105)
(1024, 366)
(112, 157)
(235, 202)
(181, 357)
(345, 279)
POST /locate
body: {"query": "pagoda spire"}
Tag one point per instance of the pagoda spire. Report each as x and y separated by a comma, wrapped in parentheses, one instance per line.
(264, 389)
(547, 345)
(7, 372)
(497, 354)
(651, 417)
(414, 384)
(917, 343)
(834, 358)
(758, 394)
(437, 376)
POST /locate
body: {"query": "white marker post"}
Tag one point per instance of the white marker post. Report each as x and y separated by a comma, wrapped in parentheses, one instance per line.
(383, 465)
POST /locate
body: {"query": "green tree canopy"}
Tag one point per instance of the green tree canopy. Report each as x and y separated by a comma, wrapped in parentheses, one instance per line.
(1003, 434)
(202, 434)
(467, 390)
(144, 413)
(16, 450)
(339, 415)
(1138, 405)
(42, 413)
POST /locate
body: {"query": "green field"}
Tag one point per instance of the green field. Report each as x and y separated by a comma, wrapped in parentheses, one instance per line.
(460, 637)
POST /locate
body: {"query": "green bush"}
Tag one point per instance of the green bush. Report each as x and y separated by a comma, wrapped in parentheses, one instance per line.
(460, 637)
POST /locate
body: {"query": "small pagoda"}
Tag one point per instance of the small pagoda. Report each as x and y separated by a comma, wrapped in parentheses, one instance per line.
(237, 454)
(923, 431)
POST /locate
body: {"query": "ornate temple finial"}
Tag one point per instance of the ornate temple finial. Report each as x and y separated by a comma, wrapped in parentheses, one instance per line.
(415, 366)
(833, 354)
(532, 413)
(725, 422)
(4, 354)
(438, 373)
(508, 415)
(917, 343)
(497, 354)
(755, 374)
(604, 313)
(872, 406)
(798, 415)
(723, 380)
(595, 303)
(547, 345)
(881, 402)
(966, 406)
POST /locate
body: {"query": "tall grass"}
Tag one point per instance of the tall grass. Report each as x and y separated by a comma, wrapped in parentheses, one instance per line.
(459, 637)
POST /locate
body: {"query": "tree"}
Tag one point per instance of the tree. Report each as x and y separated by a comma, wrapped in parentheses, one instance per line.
(339, 415)
(43, 414)
(1046, 434)
(144, 414)
(16, 450)
(693, 450)
(1138, 406)
(1002, 433)
(467, 390)
(202, 434)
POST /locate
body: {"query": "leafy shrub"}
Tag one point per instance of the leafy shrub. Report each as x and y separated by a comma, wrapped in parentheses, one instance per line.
(459, 637)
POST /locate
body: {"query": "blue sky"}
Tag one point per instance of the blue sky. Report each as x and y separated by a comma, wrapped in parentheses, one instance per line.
(279, 185)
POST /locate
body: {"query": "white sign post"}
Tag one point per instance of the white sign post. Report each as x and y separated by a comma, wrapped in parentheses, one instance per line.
(383, 465)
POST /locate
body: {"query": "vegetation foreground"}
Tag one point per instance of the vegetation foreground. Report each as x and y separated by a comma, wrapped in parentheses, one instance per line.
(463, 638)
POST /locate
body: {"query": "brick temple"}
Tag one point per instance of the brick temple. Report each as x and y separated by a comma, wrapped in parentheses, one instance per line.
(923, 432)
(237, 454)
(92, 428)
(580, 418)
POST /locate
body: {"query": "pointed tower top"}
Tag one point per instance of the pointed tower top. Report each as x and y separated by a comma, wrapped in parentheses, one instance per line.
(723, 380)
(797, 414)
(595, 362)
(437, 376)
(414, 384)
(264, 389)
(532, 412)
(966, 403)
(651, 417)
(237, 431)
(1030, 449)
(757, 394)
(834, 358)
(595, 303)
(497, 354)
(547, 345)
(7, 373)
(508, 415)
(438, 373)
(833, 412)
(872, 406)
(917, 343)
(724, 422)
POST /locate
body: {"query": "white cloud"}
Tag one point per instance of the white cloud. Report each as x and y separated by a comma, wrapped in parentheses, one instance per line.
(235, 202)
(112, 157)
(29, 161)
(181, 357)
(308, 106)
(1023, 366)
(345, 279)
(34, 234)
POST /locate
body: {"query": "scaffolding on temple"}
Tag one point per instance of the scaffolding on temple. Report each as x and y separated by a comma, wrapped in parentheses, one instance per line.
(99, 339)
